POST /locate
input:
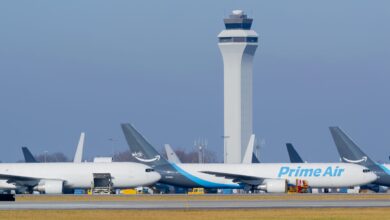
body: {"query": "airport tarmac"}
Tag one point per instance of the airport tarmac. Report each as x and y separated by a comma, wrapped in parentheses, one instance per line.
(194, 204)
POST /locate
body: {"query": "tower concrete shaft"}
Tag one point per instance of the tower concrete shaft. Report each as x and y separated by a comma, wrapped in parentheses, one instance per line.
(237, 44)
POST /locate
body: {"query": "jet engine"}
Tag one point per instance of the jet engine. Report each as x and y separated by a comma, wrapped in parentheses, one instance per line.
(274, 186)
(50, 186)
(376, 188)
(382, 189)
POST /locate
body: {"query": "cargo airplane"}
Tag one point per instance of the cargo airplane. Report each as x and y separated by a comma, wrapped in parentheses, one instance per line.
(269, 177)
(350, 153)
(55, 178)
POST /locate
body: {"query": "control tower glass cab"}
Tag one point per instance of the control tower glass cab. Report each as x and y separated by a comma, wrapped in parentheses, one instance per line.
(237, 43)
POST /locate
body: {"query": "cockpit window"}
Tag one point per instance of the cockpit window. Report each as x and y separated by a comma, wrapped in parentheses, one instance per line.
(148, 170)
(366, 170)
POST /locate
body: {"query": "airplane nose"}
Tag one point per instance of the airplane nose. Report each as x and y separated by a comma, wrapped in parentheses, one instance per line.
(372, 177)
(156, 176)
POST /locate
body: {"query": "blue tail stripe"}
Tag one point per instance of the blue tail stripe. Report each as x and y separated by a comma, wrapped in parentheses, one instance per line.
(387, 170)
(204, 183)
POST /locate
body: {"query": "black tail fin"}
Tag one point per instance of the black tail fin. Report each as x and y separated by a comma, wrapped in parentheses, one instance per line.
(293, 154)
(28, 157)
(349, 152)
(255, 159)
(140, 149)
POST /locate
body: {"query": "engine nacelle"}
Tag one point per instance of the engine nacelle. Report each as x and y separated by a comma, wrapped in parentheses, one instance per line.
(50, 186)
(377, 188)
(383, 189)
(274, 186)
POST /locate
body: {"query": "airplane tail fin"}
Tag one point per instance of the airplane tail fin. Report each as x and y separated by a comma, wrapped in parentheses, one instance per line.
(78, 156)
(28, 157)
(249, 151)
(293, 154)
(255, 159)
(140, 149)
(349, 152)
(172, 157)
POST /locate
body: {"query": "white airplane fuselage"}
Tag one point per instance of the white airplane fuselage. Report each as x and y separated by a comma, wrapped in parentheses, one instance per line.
(80, 175)
(318, 175)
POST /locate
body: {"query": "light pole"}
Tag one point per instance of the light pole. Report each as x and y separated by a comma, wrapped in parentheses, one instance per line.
(45, 155)
(112, 140)
(200, 145)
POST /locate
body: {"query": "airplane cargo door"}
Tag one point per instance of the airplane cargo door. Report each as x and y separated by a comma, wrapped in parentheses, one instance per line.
(102, 183)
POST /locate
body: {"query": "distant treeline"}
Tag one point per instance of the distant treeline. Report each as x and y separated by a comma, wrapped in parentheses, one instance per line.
(123, 156)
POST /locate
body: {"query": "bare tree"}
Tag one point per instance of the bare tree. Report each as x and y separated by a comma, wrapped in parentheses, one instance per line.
(185, 157)
(54, 157)
(122, 156)
(192, 156)
(210, 156)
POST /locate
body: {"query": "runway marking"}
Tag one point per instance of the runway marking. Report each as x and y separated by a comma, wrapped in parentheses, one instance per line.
(198, 204)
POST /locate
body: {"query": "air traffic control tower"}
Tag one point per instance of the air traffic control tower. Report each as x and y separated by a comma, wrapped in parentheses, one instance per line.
(238, 45)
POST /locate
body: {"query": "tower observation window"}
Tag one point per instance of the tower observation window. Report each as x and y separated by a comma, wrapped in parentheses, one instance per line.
(245, 26)
(225, 39)
(251, 39)
(237, 39)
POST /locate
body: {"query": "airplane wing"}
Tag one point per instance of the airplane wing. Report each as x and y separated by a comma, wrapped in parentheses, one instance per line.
(267, 184)
(238, 178)
(21, 180)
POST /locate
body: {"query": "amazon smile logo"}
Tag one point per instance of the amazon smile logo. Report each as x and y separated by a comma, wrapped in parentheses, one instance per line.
(139, 156)
(364, 159)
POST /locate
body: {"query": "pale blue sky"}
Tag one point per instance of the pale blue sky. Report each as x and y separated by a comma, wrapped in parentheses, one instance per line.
(72, 66)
